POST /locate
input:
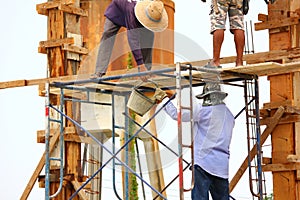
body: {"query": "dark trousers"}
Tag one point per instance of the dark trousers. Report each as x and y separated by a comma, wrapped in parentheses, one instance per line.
(205, 183)
(146, 39)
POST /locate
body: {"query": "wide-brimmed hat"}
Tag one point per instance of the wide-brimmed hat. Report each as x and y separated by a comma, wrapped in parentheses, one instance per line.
(152, 15)
(212, 88)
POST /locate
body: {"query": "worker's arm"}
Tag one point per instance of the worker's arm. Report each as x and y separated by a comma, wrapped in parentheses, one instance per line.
(171, 110)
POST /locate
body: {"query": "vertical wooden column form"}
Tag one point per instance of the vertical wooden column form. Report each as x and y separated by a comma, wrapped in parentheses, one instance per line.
(282, 140)
(163, 52)
(284, 87)
(72, 109)
(56, 68)
(63, 24)
(92, 29)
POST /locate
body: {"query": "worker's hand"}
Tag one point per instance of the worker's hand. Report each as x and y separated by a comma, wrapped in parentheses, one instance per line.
(142, 68)
(159, 95)
(171, 94)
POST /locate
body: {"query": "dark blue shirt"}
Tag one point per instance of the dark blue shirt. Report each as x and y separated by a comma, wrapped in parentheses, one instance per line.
(121, 12)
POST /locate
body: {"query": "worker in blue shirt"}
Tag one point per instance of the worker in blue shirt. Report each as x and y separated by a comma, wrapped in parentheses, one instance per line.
(213, 126)
(141, 19)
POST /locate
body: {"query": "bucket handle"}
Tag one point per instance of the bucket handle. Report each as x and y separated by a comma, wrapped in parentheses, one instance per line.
(141, 82)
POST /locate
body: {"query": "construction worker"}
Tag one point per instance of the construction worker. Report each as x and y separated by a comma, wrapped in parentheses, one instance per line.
(141, 19)
(218, 15)
(213, 126)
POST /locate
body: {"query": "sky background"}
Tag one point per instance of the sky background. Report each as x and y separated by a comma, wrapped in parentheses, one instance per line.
(22, 110)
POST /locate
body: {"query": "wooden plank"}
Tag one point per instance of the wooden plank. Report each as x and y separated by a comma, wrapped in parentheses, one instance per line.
(73, 10)
(70, 135)
(284, 120)
(281, 167)
(293, 158)
(41, 133)
(280, 39)
(275, 105)
(153, 157)
(56, 42)
(276, 117)
(81, 193)
(262, 17)
(31, 82)
(11, 84)
(266, 160)
(276, 23)
(75, 94)
(266, 69)
(44, 7)
(296, 92)
(39, 168)
(262, 69)
(272, 55)
(282, 139)
(75, 49)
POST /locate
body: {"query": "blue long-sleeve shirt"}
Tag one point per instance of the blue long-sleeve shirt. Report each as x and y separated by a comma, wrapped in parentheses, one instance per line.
(121, 12)
(213, 126)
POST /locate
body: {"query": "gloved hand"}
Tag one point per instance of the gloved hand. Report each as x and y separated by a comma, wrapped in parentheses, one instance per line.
(159, 94)
(170, 94)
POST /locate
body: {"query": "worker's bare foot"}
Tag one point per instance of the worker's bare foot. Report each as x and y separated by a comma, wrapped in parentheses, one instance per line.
(239, 63)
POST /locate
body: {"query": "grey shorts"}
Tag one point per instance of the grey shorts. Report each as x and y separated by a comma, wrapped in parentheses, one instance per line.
(235, 13)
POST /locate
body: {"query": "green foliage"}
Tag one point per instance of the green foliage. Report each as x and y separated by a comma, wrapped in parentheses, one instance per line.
(269, 197)
(129, 61)
(133, 181)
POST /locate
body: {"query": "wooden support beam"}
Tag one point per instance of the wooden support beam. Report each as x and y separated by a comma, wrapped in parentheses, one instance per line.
(12, 84)
(81, 193)
(281, 167)
(39, 168)
(293, 158)
(272, 55)
(266, 160)
(74, 94)
(290, 67)
(31, 82)
(276, 23)
(262, 17)
(296, 91)
(41, 133)
(73, 10)
(43, 45)
(277, 104)
(284, 120)
(253, 152)
(75, 49)
(69, 135)
(56, 42)
(44, 7)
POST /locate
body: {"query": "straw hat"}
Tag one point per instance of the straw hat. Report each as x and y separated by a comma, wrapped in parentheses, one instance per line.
(152, 15)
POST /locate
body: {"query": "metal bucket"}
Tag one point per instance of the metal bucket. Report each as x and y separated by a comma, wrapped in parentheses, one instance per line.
(138, 102)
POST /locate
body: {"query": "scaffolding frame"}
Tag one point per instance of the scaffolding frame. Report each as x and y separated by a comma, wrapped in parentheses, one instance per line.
(191, 82)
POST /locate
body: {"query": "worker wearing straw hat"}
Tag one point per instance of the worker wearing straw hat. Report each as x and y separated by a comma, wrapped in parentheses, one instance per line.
(141, 19)
(213, 126)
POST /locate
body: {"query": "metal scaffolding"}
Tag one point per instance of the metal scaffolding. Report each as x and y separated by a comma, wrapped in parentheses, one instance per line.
(175, 78)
